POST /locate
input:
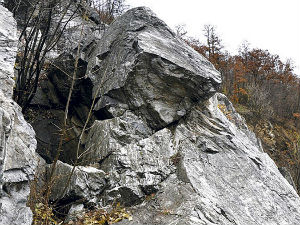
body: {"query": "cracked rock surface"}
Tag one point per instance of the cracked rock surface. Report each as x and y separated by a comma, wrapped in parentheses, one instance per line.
(141, 65)
(18, 159)
(86, 182)
(175, 150)
(164, 143)
(222, 176)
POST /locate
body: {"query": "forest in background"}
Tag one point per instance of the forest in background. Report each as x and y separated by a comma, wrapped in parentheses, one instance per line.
(264, 89)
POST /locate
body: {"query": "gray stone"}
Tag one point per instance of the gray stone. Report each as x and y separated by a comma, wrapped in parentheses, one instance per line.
(40, 99)
(81, 33)
(140, 62)
(47, 125)
(60, 76)
(200, 164)
(87, 183)
(167, 145)
(18, 159)
(136, 170)
(108, 136)
(222, 176)
(287, 175)
(75, 211)
(46, 96)
(83, 28)
(8, 51)
(4, 133)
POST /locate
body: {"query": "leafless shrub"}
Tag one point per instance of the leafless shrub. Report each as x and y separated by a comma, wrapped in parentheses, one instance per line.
(109, 9)
(259, 101)
(39, 36)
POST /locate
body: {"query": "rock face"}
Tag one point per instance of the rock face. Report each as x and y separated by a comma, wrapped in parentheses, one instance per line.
(87, 182)
(222, 176)
(164, 142)
(48, 104)
(140, 65)
(18, 159)
(175, 150)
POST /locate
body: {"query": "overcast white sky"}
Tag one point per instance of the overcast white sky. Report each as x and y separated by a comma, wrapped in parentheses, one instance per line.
(265, 24)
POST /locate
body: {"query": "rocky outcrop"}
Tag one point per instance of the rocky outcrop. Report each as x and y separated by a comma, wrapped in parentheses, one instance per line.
(140, 65)
(187, 157)
(222, 175)
(172, 149)
(86, 183)
(163, 142)
(18, 159)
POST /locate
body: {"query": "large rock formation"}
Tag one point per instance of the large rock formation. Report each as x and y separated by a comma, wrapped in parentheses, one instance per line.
(18, 159)
(164, 142)
(222, 176)
(140, 65)
(173, 138)
(173, 149)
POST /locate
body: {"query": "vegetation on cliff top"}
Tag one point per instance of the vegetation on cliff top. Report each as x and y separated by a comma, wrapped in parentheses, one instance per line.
(265, 90)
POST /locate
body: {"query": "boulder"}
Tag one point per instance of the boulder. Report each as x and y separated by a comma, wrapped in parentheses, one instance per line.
(176, 151)
(141, 65)
(198, 163)
(18, 159)
(86, 183)
(107, 136)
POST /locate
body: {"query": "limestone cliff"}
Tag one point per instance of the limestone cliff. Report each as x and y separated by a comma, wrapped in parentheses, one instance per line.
(168, 134)
(18, 159)
(162, 142)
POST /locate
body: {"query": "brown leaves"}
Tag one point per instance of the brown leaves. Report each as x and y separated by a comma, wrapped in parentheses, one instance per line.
(296, 115)
(103, 216)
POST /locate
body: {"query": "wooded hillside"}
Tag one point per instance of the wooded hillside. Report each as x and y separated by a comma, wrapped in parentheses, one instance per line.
(265, 90)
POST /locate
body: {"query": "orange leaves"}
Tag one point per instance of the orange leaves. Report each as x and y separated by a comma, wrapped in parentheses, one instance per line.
(241, 79)
(239, 71)
(243, 91)
(262, 65)
(251, 68)
(296, 115)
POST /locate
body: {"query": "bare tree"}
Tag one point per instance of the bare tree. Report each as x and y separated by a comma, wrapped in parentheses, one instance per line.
(39, 36)
(181, 30)
(109, 9)
(212, 39)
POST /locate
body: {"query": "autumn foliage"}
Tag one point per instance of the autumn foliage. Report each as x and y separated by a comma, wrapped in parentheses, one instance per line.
(266, 91)
(254, 77)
